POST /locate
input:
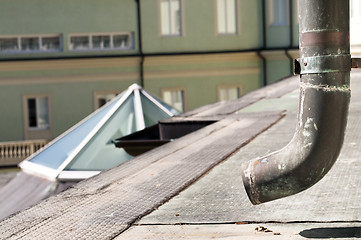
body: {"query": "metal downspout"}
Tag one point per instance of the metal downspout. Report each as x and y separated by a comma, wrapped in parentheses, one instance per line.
(264, 38)
(324, 66)
(290, 18)
(140, 44)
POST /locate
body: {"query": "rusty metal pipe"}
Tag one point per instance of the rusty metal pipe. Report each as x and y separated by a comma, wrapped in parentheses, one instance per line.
(324, 66)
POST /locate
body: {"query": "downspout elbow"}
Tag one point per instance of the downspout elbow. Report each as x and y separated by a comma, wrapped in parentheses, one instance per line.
(312, 151)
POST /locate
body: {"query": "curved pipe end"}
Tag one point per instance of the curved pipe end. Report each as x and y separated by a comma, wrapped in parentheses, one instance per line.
(266, 179)
(310, 154)
(252, 193)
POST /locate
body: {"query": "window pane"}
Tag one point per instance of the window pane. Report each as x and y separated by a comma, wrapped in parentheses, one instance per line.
(121, 41)
(227, 16)
(171, 18)
(32, 112)
(174, 98)
(221, 11)
(79, 43)
(165, 17)
(38, 116)
(101, 41)
(29, 43)
(226, 94)
(279, 12)
(50, 43)
(9, 44)
(42, 112)
(175, 17)
(102, 99)
(231, 16)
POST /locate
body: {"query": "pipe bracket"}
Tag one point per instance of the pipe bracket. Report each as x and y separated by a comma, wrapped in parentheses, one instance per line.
(322, 64)
(356, 62)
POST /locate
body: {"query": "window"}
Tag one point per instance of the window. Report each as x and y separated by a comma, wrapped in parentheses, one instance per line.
(30, 44)
(279, 12)
(227, 16)
(355, 10)
(171, 17)
(50, 43)
(38, 112)
(175, 98)
(79, 42)
(226, 93)
(101, 98)
(101, 41)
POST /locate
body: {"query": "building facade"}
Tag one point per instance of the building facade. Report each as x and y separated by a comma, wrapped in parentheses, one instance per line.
(355, 26)
(61, 60)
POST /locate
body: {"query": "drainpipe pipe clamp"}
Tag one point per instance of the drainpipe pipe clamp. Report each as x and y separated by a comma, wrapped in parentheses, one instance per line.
(323, 64)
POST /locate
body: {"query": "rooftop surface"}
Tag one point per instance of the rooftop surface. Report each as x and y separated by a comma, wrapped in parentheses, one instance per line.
(192, 188)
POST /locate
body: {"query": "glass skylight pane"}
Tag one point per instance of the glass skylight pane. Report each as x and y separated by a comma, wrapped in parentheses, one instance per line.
(100, 153)
(152, 113)
(60, 150)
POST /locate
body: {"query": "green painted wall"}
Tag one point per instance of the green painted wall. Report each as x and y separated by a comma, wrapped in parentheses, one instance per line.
(194, 88)
(11, 118)
(277, 36)
(200, 28)
(201, 89)
(21, 17)
(277, 70)
(295, 24)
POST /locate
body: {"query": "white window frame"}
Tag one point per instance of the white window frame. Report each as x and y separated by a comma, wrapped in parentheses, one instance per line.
(170, 31)
(110, 48)
(227, 87)
(173, 104)
(39, 38)
(227, 18)
(274, 13)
